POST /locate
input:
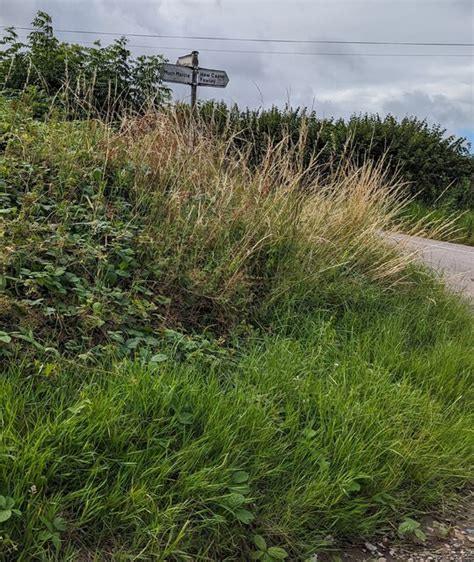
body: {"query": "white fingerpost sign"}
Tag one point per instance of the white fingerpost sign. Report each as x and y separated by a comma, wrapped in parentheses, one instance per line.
(187, 71)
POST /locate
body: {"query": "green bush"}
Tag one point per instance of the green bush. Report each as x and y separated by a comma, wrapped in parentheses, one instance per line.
(101, 80)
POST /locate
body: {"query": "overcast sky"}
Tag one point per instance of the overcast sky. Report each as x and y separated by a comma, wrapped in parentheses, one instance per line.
(440, 89)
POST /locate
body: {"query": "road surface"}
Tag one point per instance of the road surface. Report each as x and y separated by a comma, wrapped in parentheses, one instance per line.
(454, 261)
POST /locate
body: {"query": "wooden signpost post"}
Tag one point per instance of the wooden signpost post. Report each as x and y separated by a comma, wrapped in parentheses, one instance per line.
(187, 71)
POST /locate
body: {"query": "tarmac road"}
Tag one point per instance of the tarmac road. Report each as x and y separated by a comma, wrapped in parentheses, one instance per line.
(454, 261)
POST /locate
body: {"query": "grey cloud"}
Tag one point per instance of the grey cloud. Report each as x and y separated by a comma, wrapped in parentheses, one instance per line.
(438, 88)
(439, 107)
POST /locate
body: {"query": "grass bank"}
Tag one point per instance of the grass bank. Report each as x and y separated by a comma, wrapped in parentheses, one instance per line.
(334, 427)
(112, 234)
(201, 361)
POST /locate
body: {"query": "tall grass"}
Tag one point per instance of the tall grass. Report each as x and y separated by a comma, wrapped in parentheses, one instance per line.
(158, 224)
(461, 223)
(214, 198)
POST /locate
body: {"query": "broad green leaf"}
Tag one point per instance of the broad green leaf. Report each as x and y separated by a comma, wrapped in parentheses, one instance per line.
(277, 553)
(44, 536)
(5, 514)
(244, 516)
(4, 337)
(408, 525)
(59, 524)
(159, 358)
(240, 477)
(56, 540)
(234, 500)
(186, 418)
(260, 542)
(353, 487)
(9, 502)
(309, 433)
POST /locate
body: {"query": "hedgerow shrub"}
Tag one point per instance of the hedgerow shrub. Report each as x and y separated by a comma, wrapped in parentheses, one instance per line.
(81, 80)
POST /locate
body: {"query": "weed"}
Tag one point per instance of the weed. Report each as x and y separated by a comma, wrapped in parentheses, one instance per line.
(265, 553)
(410, 526)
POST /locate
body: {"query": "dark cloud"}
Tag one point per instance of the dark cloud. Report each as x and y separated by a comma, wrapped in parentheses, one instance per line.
(439, 89)
(439, 107)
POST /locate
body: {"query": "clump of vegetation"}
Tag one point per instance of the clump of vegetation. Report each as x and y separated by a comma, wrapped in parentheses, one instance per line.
(460, 222)
(109, 236)
(82, 81)
(435, 166)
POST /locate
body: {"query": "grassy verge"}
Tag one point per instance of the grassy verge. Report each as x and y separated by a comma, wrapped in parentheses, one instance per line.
(201, 361)
(110, 235)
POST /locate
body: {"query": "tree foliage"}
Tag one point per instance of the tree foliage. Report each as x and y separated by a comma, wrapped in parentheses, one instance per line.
(105, 79)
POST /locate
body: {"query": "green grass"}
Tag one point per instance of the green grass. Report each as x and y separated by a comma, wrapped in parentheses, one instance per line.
(339, 423)
(461, 230)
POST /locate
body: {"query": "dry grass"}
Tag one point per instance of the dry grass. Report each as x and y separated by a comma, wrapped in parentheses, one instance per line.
(304, 222)
(196, 186)
(159, 223)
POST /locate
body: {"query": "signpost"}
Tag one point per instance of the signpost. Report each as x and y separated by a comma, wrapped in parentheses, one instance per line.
(187, 71)
(189, 60)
